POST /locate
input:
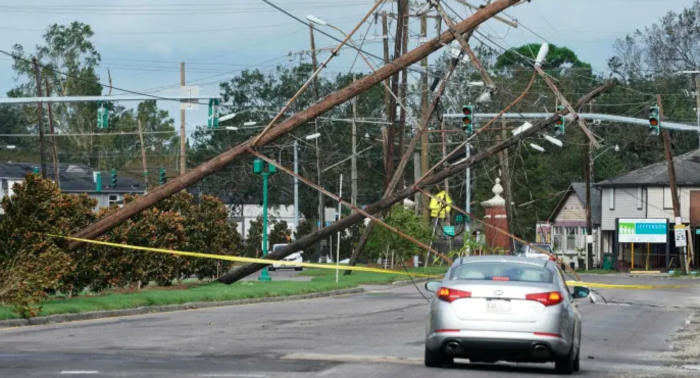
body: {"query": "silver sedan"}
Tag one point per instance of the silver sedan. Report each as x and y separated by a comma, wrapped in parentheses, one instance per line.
(504, 308)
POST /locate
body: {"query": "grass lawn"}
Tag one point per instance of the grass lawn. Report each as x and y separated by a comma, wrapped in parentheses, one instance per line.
(359, 278)
(210, 292)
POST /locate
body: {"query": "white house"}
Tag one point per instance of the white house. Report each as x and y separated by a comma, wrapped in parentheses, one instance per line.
(74, 179)
(645, 194)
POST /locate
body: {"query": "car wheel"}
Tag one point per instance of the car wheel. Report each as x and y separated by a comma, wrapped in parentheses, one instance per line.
(271, 269)
(577, 360)
(566, 364)
(436, 359)
(298, 269)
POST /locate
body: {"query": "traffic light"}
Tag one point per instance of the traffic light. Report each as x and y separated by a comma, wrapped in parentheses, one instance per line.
(213, 120)
(654, 121)
(163, 179)
(102, 116)
(467, 119)
(113, 180)
(560, 123)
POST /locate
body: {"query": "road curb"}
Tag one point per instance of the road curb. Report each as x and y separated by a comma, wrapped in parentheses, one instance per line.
(65, 318)
(409, 282)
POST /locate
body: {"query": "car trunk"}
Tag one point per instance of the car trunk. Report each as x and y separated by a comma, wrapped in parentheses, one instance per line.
(494, 301)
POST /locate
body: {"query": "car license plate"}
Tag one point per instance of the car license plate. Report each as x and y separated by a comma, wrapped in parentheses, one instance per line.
(496, 305)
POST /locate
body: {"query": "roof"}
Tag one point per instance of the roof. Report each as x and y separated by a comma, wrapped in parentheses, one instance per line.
(73, 178)
(686, 166)
(579, 190)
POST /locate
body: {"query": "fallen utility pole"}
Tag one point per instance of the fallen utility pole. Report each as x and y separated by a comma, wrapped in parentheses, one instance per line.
(389, 201)
(465, 46)
(298, 119)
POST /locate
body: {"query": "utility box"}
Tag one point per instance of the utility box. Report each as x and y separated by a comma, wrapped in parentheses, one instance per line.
(607, 261)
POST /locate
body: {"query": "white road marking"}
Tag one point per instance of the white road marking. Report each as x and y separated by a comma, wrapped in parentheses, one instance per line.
(80, 372)
(352, 358)
(233, 375)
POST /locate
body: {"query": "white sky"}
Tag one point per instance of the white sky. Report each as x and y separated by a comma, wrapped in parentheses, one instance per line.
(143, 41)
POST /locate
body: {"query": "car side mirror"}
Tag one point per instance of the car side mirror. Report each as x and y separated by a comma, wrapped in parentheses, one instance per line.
(433, 286)
(581, 292)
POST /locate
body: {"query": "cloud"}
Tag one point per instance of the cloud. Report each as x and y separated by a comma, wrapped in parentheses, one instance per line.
(160, 48)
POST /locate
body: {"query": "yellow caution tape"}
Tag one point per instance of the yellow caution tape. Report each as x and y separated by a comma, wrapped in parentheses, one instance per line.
(628, 287)
(249, 260)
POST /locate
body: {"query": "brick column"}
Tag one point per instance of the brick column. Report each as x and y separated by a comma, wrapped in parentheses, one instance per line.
(495, 209)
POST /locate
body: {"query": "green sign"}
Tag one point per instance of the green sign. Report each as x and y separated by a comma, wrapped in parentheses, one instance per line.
(449, 230)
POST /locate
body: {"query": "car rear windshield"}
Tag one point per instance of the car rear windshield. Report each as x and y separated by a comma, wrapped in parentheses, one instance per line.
(501, 271)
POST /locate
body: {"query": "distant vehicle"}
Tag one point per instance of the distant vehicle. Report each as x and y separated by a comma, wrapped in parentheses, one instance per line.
(294, 257)
(530, 252)
(504, 308)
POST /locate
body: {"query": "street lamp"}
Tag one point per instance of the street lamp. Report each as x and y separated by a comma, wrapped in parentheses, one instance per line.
(232, 128)
(616, 147)
(259, 168)
(312, 136)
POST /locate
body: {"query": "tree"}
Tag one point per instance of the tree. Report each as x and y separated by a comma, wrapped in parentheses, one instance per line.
(70, 61)
(207, 230)
(154, 228)
(32, 262)
(253, 242)
(280, 234)
(383, 242)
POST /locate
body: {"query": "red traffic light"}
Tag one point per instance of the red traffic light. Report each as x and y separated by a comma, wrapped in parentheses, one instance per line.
(559, 122)
(467, 110)
(654, 122)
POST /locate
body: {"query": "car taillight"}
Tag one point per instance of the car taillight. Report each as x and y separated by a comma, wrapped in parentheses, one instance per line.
(547, 299)
(552, 258)
(501, 278)
(451, 295)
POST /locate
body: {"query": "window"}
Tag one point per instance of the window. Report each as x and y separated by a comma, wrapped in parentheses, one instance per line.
(612, 198)
(668, 199)
(502, 271)
(113, 199)
(640, 201)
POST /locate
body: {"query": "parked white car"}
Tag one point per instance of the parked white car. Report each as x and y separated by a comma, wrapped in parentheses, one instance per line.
(294, 257)
(533, 253)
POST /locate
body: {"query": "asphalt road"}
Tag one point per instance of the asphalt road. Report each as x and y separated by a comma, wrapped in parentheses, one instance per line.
(376, 334)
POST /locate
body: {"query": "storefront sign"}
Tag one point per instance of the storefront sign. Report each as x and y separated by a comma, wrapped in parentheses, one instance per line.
(642, 230)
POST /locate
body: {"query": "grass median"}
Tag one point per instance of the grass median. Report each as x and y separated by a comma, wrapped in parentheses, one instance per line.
(323, 280)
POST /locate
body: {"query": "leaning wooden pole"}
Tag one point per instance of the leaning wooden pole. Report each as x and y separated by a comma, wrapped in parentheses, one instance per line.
(398, 174)
(220, 162)
(389, 201)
